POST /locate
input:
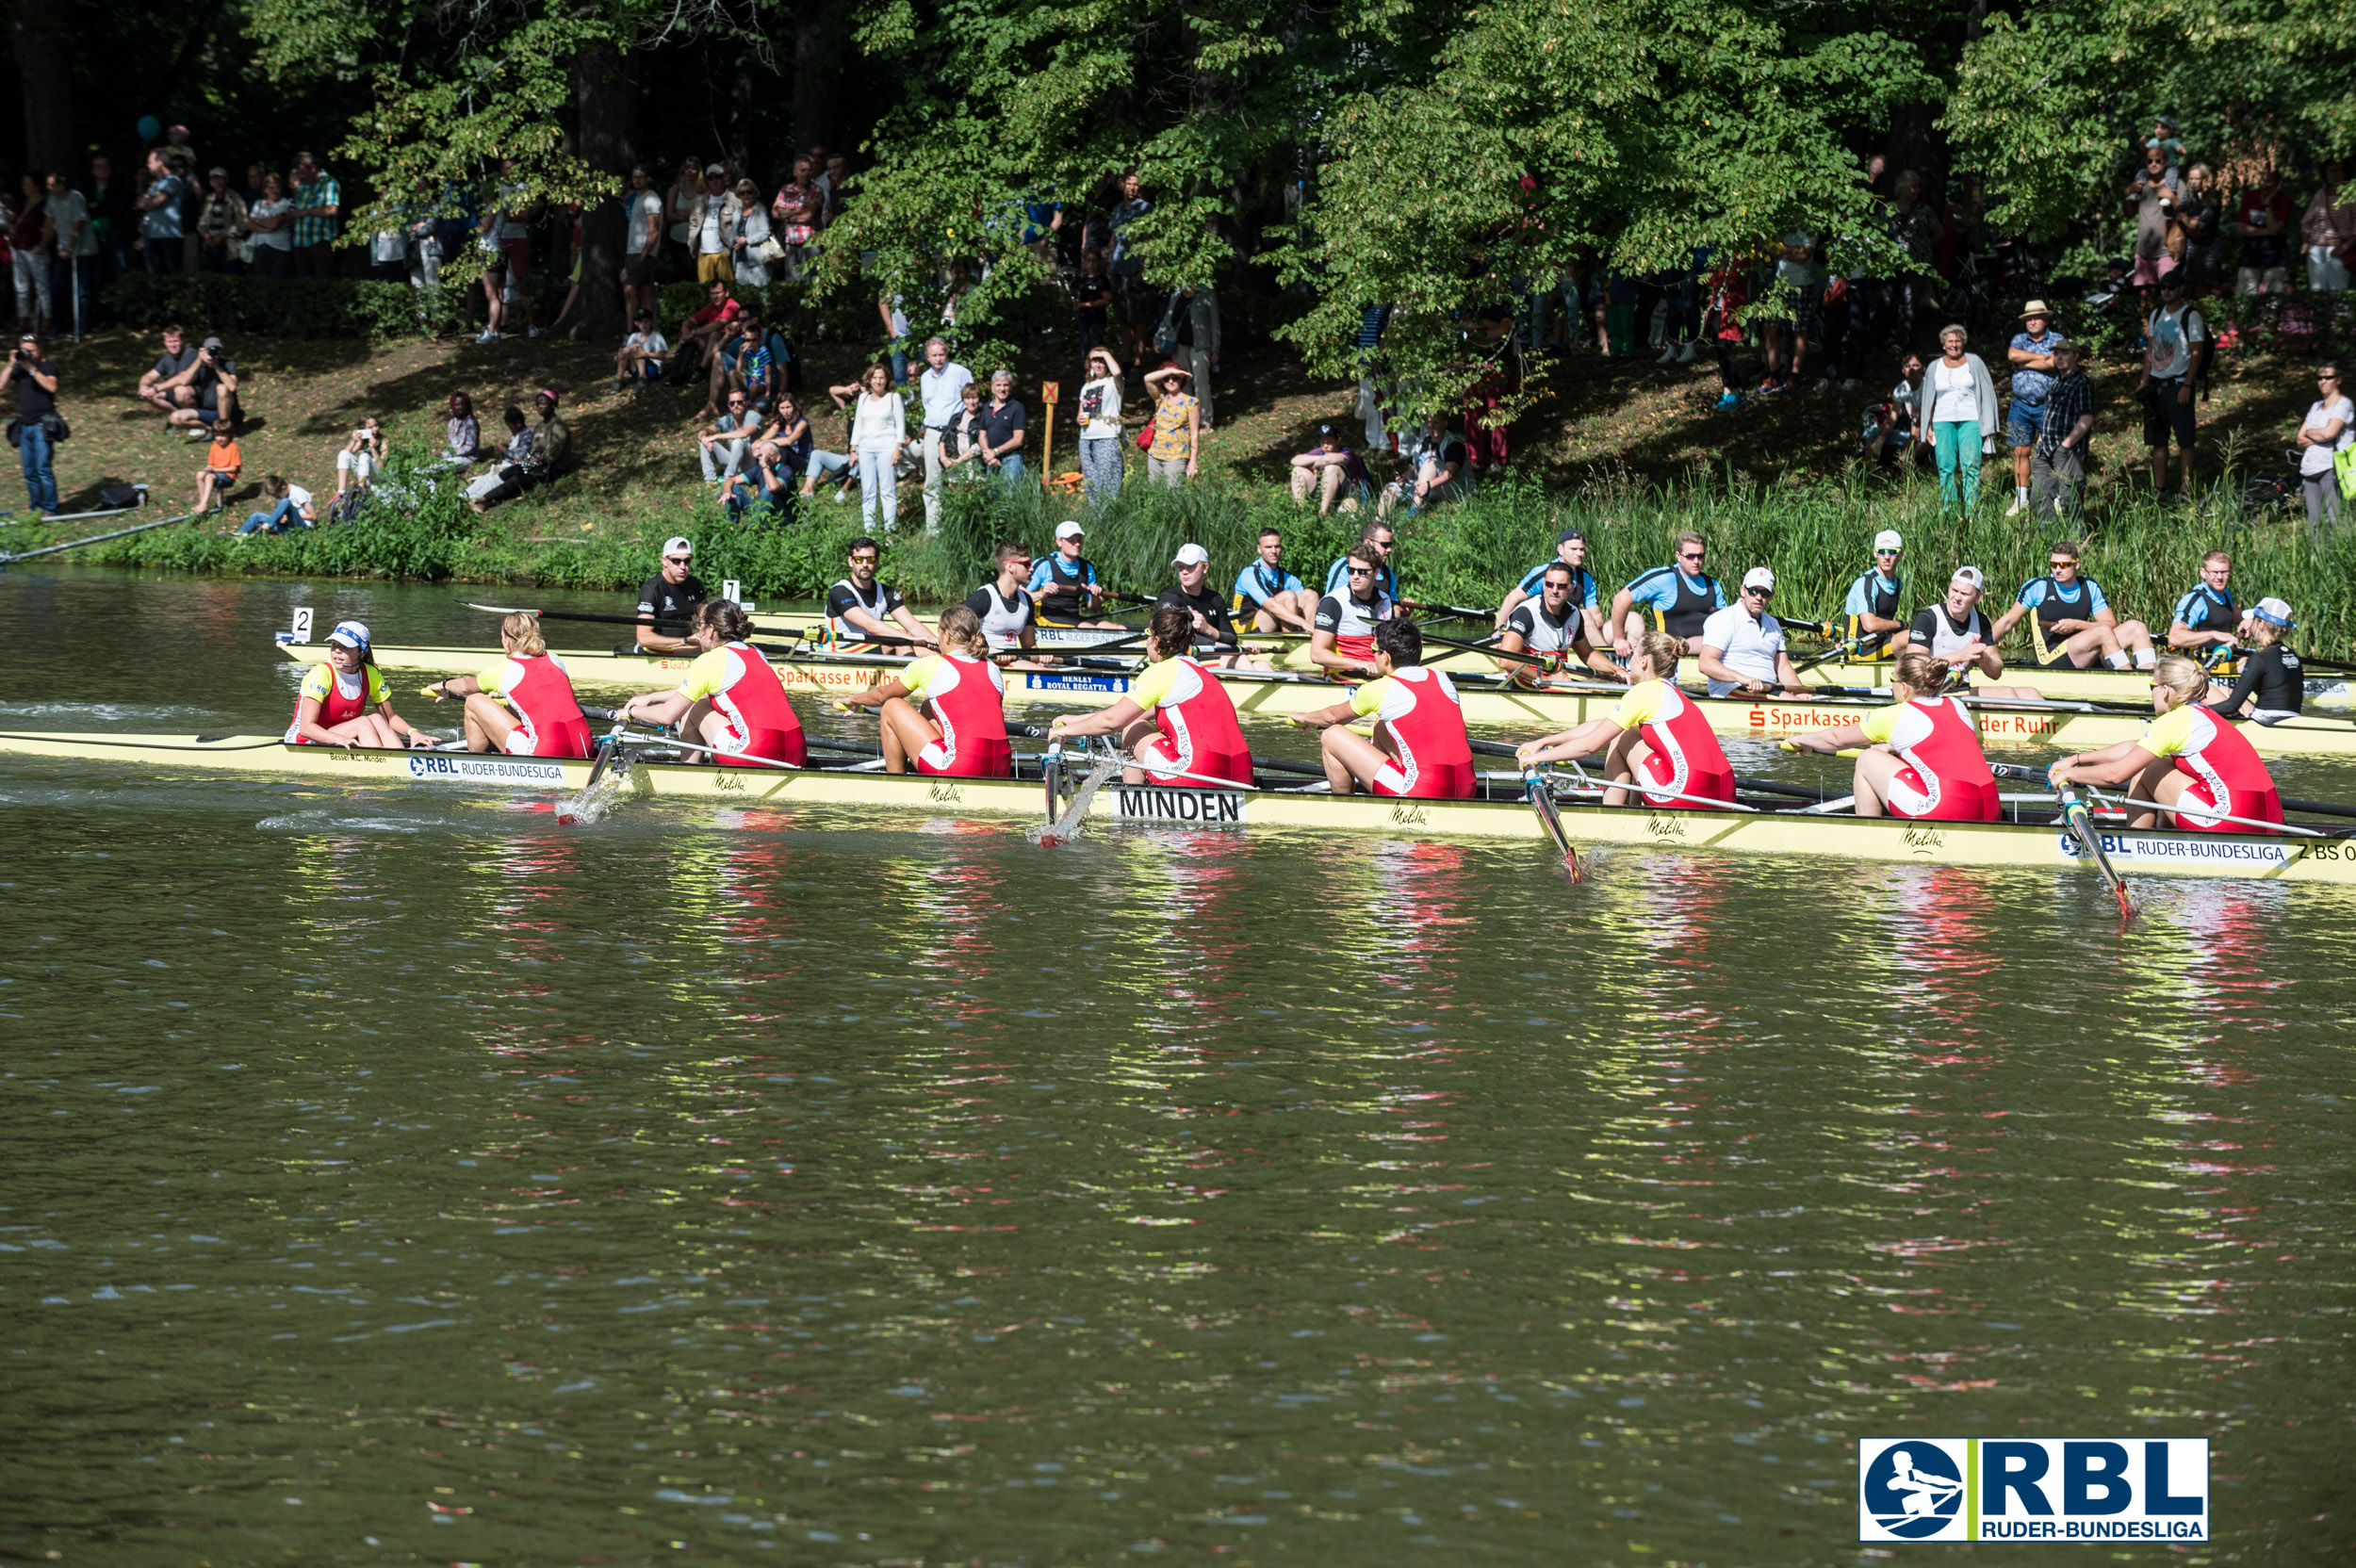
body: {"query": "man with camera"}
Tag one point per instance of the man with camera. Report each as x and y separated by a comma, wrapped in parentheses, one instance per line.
(36, 429)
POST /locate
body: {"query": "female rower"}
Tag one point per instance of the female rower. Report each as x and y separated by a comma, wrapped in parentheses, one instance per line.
(1199, 742)
(947, 710)
(344, 700)
(523, 705)
(1657, 739)
(1924, 758)
(2189, 763)
(1419, 750)
(2273, 684)
(731, 700)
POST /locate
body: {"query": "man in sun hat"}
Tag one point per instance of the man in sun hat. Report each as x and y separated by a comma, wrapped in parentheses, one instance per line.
(668, 600)
(2032, 373)
(1876, 599)
(1741, 647)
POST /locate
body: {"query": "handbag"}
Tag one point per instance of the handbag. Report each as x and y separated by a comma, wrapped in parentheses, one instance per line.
(1145, 437)
(54, 426)
(770, 251)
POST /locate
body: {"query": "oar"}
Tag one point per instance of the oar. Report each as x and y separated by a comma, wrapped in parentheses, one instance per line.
(2081, 825)
(1446, 611)
(1539, 794)
(569, 615)
(1848, 649)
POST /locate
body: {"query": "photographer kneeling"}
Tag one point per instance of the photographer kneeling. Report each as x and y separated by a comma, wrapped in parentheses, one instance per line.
(37, 429)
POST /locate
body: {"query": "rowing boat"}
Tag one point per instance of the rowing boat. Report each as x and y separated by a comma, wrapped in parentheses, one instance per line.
(1503, 816)
(1488, 702)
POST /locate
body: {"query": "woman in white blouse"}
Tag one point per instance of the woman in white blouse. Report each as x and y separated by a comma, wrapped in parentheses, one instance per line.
(1100, 426)
(2325, 431)
(880, 428)
(750, 233)
(1959, 411)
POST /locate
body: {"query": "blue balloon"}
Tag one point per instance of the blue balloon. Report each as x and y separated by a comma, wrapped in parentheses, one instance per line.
(150, 127)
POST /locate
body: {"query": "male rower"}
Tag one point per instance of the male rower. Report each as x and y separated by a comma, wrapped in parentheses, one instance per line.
(2206, 624)
(1342, 642)
(1553, 625)
(1570, 549)
(1065, 585)
(668, 599)
(1008, 614)
(1873, 606)
(1419, 748)
(1957, 630)
(1214, 632)
(863, 612)
(1277, 601)
(1376, 537)
(1741, 650)
(2073, 625)
(1681, 596)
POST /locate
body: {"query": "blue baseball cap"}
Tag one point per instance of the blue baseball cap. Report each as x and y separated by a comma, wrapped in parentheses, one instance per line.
(351, 634)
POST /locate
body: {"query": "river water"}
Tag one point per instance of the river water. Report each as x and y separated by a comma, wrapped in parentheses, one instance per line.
(418, 1182)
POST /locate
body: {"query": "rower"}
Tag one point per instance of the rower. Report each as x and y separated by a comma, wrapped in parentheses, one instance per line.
(1741, 647)
(1199, 740)
(1923, 760)
(1277, 599)
(1955, 632)
(2197, 767)
(1342, 641)
(1570, 549)
(2206, 624)
(731, 699)
(1065, 586)
(1873, 606)
(2073, 625)
(1214, 630)
(2273, 685)
(948, 710)
(668, 600)
(1552, 624)
(344, 700)
(1681, 596)
(1658, 740)
(1376, 537)
(863, 612)
(523, 705)
(1008, 614)
(1419, 750)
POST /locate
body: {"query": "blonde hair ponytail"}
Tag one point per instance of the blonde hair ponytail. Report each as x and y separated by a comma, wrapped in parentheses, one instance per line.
(1662, 650)
(1921, 671)
(2183, 678)
(523, 629)
(961, 632)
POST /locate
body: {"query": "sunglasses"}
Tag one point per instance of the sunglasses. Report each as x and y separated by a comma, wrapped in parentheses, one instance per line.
(1362, 571)
(1886, 552)
(864, 560)
(1761, 592)
(677, 560)
(2057, 566)
(1692, 555)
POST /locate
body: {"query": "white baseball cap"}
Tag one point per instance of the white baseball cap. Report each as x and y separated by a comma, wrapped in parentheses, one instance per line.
(1069, 530)
(1887, 540)
(2273, 611)
(1758, 576)
(355, 634)
(1191, 555)
(1968, 574)
(679, 544)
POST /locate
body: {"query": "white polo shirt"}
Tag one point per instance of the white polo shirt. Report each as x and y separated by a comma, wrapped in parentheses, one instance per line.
(1745, 646)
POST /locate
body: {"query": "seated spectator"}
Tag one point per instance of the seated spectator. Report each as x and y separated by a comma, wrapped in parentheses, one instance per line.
(1892, 426)
(510, 463)
(723, 443)
(643, 352)
(1330, 468)
(166, 386)
(823, 463)
(751, 359)
(356, 465)
(699, 338)
(1436, 462)
(292, 509)
(212, 381)
(222, 462)
(463, 434)
(781, 456)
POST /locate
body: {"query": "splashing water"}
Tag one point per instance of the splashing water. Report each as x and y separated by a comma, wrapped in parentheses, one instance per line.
(595, 801)
(1066, 827)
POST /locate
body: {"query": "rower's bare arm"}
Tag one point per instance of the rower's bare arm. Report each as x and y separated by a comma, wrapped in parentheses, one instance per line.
(1579, 740)
(1621, 603)
(1713, 666)
(2005, 622)
(457, 686)
(1832, 742)
(1326, 718)
(1512, 642)
(1323, 654)
(1104, 721)
(1787, 677)
(1512, 602)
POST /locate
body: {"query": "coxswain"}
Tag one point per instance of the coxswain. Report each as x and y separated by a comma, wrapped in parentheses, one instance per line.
(1570, 549)
(2273, 684)
(345, 701)
(863, 613)
(2205, 623)
(1657, 739)
(2190, 764)
(1276, 599)
(668, 600)
(1214, 628)
(2070, 624)
(1375, 537)
(1922, 757)
(1955, 632)
(1552, 624)
(1341, 640)
(1007, 612)
(1874, 608)
(1419, 750)
(947, 710)
(523, 705)
(1681, 596)
(1065, 586)
(731, 700)
(1741, 648)
(1177, 721)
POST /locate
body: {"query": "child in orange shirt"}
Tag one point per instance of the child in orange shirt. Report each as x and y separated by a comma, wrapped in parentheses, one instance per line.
(221, 463)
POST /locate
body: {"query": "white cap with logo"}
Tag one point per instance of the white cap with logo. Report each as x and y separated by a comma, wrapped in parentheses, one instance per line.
(1068, 530)
(2273, 611)
(1758, 576)
(1191, 555)
(1969, 575)
(1887, 540)
(679, 544)
(351, 634)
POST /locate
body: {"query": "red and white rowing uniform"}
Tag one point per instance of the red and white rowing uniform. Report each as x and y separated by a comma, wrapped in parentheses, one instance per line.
(750, 700)
(1197, 719)
(341, 697)
(966, 699)
(1682, 755)
(548, 720)
(1945, 777)
(1431, 755)
(2221, 768)
(1352, 621)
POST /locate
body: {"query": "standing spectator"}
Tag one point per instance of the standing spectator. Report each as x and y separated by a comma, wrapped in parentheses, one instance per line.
(1092, 300)
(423, 235)
(937, 395)
(270, 221)
(1917, 231)
(723, 442)
(2152, 197)
(252, 192)
(1839, 316)
(160, 229)
(1003, 430)
(1488, 433)
(2263, 215)
(319, 207)
(895, 323)
(1894, 426)
(2328, 229)
(1171, 460)
(37, 420)
(1128, 267)
(1730, 291)
(222, 464)
(219, 224)
(1786, 340)
(1190, 324)
(838, 170)
(879, 430)
(2329, 427)
(32, 241)
(1959, 406)
(2178, 349)
(111, 214)
(799, 211)
(2197, 214)
(643, 352)
(713, 224)
(961, 443)
(747, 239)
(2058, 467)
(462, 434)
(1100, 426)
(2032, 356)
(507, 239)
(679, 206)
(642, 227)
(167, 386)
(388, 250)
(290, 508)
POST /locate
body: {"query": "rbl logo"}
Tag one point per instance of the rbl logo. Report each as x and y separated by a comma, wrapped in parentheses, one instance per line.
(2033, 1489)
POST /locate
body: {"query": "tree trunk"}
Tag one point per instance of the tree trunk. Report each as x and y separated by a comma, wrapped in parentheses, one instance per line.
(605, 101)
(45, 63)
(813, 74)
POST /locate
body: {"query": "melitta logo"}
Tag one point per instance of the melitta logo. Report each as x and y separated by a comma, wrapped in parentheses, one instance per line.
(2033, 1489)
